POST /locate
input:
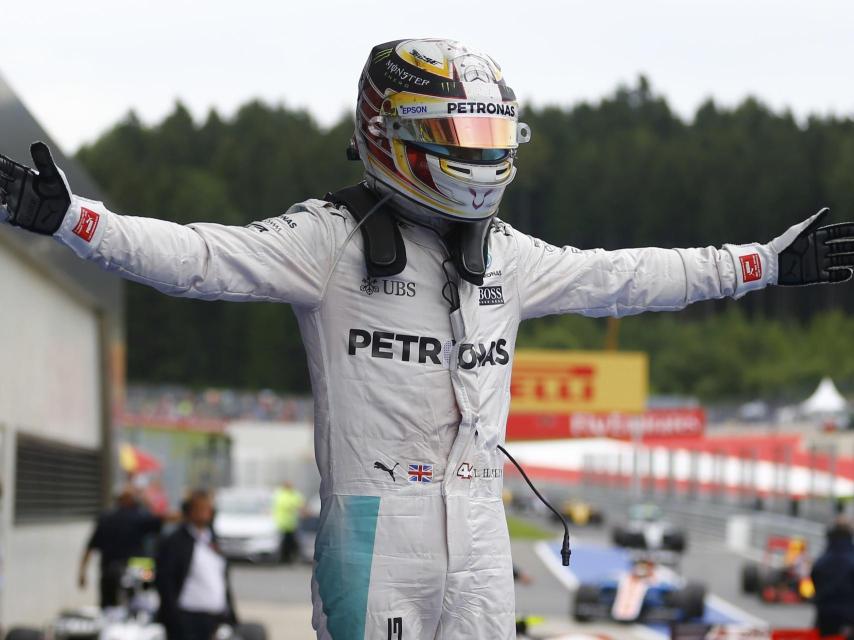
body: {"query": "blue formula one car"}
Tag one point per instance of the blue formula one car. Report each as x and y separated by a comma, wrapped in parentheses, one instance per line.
(646, 592)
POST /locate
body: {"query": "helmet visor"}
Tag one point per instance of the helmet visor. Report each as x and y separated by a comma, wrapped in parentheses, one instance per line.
(473, 132)
(471, 155)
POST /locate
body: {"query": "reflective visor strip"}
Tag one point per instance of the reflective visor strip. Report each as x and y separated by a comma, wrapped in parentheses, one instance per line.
(476, 132)
(454, 154)
(343, 555)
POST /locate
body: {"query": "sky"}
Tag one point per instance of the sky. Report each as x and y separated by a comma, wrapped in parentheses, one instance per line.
(81, 66)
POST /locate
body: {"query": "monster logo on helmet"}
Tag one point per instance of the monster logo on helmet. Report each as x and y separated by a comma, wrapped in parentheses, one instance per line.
(437, 127)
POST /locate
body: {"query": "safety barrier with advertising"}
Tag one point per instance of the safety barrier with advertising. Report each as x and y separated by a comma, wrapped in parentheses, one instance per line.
(563, 382)
(584, 394)
(680, 423)
(692, 631)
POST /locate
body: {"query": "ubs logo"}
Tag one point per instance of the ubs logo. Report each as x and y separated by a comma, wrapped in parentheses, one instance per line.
(401, 288)
(369, 286)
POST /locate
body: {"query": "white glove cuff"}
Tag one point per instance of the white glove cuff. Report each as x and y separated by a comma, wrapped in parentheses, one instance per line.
(755, 266)
(83, 226)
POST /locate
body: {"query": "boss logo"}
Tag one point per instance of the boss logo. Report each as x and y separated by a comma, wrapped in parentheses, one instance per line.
(491, 295)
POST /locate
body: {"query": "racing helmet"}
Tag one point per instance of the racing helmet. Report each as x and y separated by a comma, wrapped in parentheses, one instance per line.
(437, 128)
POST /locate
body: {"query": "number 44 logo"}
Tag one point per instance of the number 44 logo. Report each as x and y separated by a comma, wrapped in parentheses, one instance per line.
(395, 629)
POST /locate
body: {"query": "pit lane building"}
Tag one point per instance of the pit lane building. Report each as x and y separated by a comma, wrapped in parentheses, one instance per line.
(61, 372)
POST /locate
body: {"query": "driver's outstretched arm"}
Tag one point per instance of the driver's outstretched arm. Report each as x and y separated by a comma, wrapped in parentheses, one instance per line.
(555, 280)
(282, 259)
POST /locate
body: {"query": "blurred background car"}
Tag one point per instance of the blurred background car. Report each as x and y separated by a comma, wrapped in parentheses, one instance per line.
(646, 591)
(245, 526)
(648, 529)
(580, 513)
(783, 574)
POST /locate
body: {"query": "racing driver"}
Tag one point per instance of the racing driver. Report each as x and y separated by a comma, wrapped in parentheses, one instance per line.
(409, 292)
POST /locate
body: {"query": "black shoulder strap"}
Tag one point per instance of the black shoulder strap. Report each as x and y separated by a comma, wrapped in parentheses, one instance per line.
(469, 243)
(385, 253)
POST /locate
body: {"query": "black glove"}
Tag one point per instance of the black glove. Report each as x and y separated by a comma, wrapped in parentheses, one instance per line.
(36, 200)
(818, 254)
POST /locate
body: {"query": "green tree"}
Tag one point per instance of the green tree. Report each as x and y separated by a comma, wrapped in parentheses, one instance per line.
(625, 171)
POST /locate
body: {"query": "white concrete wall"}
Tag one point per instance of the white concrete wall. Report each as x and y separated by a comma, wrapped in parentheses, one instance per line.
(50, 372)
(49, 358)
(41, 572)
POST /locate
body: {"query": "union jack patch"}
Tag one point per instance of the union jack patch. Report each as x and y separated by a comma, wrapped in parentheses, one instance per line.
(421, 473)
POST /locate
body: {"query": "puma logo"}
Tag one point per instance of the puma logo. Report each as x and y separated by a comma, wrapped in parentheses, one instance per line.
(382, 467)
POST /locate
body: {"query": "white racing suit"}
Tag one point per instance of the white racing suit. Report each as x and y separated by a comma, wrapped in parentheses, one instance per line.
(413, 541)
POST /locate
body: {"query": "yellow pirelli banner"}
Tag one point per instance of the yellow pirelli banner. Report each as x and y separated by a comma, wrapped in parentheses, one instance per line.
(561, 382)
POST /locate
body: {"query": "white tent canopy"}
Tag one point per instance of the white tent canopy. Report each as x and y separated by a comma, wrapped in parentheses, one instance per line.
(824, 400)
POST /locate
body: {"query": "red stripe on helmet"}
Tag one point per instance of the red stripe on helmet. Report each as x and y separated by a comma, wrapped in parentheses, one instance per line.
(371, 95)
(418, 163)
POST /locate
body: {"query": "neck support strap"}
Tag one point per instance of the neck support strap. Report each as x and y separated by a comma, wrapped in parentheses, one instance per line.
(385, 252)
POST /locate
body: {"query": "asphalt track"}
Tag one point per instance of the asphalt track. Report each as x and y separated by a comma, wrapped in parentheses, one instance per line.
(595, 561)
(707, 560)
(549, 593)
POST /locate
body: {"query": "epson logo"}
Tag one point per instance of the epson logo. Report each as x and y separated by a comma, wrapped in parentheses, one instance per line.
(490, 108)
(491, 295)
(409, 111)
(421, 349)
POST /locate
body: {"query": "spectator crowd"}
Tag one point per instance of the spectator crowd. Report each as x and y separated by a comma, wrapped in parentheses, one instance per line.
(169, 405)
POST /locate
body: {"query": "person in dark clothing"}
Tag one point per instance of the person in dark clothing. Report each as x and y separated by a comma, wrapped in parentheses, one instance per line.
(192, 576)
(119, 535)
(833, 577)
(520, 576)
